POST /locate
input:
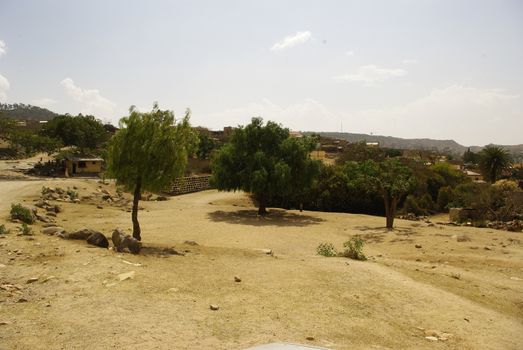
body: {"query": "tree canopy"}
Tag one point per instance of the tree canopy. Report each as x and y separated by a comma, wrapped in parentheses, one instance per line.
(82, 131)
(149, 152)
(264, 160)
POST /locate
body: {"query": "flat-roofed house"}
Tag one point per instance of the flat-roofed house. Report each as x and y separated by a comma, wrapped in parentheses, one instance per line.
(83, 166)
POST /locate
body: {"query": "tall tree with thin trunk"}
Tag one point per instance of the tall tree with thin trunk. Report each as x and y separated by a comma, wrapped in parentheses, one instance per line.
(149, 152)
(391, 179)
(492, 161)
(263, 160)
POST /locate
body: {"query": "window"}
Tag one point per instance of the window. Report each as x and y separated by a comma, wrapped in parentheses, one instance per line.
(81, 165)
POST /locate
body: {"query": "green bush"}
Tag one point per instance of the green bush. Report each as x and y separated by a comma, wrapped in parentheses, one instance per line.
(72, 194)
(24, 214)
(326, 249)
(354, 249)
(26, 230)
(3, 230)
(444, 198)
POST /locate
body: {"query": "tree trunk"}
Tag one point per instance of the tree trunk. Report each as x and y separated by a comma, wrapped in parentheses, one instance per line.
(389, 213)
(134, 215)
(262, 209)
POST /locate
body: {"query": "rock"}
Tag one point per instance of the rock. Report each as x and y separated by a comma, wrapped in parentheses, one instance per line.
(463, 238)
(237, 279)
(161, 198)
(214, 307)
(487, 248)
(126, 276)
(173, 290)
(84, 233)
(191, 242)
(32, 280)
(22, 300)
(309, 338)
(267, 251)
(431, 338)
(42, 218)
(99, 207)
(50, 213)
(53, 230)
(47, 279)
(4, 323)
(124, 241)
(418, 246)
(98, 239)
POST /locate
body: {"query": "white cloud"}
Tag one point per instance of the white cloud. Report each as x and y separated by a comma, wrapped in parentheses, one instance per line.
(409, 61)
(306, 115)
(90, 99)
(44, 102)
(4, 86)
(349, 53)
(469, 115)
(3, 48)
(371, 75)
(292, 40)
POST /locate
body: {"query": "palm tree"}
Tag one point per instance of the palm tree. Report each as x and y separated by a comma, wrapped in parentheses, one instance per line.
(493, 160)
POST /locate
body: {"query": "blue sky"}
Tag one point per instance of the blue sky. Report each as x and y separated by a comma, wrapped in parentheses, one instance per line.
(417, 68)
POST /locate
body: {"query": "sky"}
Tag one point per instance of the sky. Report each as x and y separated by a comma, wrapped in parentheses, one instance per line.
(406, 68)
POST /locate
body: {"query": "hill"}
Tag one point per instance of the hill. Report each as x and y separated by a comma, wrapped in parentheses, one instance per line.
(23, 111)
(445, 146)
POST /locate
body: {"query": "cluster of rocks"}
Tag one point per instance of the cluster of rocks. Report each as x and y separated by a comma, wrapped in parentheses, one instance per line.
(414, 217)
(122, 242)
(514, 225)
(60, 195)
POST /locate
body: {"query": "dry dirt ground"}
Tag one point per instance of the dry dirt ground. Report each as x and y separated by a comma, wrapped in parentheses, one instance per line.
(471, 290)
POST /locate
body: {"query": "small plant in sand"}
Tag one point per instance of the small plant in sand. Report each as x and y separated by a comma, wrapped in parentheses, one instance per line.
(326, 249)
(354, 248)
(24, 214)
(72, 194)
(25, 230)
(3, 230)
(45, 190)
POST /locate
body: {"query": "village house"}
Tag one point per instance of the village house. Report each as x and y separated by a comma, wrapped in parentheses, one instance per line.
(83, 166)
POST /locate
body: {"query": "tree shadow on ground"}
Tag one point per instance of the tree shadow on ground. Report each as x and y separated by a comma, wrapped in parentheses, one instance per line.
(160, 251)
(274, 218)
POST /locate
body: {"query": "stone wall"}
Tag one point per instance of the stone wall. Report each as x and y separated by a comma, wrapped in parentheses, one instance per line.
(191, 184)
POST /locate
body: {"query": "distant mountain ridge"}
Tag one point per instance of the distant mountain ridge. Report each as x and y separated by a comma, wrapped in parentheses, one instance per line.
(449, 146)
(23, 111)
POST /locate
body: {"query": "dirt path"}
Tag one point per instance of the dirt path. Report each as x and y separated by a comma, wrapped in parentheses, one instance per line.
(387, 302)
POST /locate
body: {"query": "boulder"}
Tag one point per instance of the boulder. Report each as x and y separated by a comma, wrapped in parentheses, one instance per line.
(98, 239)
(80, 234)
(53, 231)
(123, 241)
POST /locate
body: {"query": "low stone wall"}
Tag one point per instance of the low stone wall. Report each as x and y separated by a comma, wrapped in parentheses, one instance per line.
(190, 184)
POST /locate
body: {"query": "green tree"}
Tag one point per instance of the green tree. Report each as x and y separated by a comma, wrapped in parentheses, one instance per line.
(493, 160)
(82, 131)
(149, 152)
(391, 179)
(206, 144)
(263, 160)
(470, 157)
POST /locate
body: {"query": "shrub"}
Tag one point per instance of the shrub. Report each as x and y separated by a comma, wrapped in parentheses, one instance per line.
(354, 248)
(326, 249)
(26, 230)
(3, 230)
(24, 214)
(72, 194)
(444, 198)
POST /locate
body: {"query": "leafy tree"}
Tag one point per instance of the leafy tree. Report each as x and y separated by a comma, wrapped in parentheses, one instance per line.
(470, 157)
(391, 179)
(206, 144)
(82, 131)
(493, 160)
(263, 160)
(149, 152)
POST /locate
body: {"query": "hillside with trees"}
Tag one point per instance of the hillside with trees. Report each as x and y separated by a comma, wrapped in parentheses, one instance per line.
(21, 111)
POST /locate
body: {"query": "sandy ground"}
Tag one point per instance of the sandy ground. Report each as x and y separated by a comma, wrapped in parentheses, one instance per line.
(390, 301)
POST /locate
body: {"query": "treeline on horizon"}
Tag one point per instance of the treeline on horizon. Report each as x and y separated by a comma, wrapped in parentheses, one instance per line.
(342, 187)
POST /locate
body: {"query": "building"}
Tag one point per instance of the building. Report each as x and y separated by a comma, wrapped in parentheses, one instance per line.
(474, 176)
(83, 166)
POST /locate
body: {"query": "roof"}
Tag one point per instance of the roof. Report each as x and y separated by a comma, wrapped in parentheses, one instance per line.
(78, 159)
(471, 173)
